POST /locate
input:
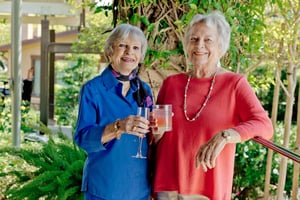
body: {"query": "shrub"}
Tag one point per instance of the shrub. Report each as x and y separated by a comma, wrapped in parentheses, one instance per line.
(52, 170)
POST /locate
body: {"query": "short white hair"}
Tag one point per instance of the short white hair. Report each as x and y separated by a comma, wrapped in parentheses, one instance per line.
(216, 19)
(122, 32)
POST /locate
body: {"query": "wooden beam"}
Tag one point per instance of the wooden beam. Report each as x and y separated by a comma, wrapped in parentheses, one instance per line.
(54, 20)
(41, 8)
(55, 47)
(60, 47)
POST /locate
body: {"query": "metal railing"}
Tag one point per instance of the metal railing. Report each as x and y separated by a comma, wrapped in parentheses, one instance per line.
(277, 148)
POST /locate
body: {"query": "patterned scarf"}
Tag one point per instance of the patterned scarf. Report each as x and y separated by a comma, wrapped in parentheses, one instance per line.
(141, 95)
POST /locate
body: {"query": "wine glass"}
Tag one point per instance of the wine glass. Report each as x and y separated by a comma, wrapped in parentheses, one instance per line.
(144, 112)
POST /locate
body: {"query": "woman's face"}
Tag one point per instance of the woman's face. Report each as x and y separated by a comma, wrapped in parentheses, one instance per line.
(203, 45)
(126, 55)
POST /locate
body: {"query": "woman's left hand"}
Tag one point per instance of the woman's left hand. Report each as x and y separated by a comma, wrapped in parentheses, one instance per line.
(207, 153)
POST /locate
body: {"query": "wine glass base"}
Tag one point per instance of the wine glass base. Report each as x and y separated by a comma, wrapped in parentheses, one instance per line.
(139, 156)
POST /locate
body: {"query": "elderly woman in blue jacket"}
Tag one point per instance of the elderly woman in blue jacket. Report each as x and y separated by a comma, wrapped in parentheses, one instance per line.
(108, 128)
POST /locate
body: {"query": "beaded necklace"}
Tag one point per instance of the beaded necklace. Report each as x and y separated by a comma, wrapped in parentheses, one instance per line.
(204, 103)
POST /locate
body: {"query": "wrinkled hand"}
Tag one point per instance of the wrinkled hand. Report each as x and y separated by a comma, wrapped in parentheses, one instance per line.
(135, 125)
(207, 154)
(154, 128)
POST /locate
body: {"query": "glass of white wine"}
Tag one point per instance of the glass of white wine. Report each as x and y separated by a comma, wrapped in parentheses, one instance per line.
(144, 112)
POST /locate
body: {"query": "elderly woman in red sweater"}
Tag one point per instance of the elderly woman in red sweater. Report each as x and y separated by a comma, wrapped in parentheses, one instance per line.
(213, 110)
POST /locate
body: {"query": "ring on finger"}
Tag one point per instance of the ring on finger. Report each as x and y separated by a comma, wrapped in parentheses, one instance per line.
(134, 128)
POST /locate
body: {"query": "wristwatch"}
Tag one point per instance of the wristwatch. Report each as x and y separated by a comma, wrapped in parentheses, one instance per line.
(116, 129)
(226, 135)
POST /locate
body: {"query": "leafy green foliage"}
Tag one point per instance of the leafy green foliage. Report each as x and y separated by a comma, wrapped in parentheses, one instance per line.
(267, 96)
(5, 30)
(250, 166)
(5, 112)
(53, 171)
(72, 73)
(165, 32)
(27, 115)
(262, 81)
(250, 160)
(92, 37)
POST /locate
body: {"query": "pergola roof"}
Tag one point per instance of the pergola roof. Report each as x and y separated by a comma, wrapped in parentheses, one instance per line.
(33, 11)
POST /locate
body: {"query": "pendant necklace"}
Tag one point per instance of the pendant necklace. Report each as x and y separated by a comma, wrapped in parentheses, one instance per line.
(204, 103)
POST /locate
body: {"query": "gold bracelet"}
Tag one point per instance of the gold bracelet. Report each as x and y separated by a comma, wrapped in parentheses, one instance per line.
(116, 129)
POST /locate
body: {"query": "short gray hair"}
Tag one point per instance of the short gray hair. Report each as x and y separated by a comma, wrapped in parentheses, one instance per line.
(122, 32)
(217, 19)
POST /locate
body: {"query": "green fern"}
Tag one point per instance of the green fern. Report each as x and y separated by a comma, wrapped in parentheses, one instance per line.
(57, 171)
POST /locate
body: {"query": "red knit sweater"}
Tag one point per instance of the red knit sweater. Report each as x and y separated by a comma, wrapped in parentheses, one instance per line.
(233, 104)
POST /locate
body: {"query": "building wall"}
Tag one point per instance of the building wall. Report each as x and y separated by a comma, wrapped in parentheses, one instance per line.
(31, 50)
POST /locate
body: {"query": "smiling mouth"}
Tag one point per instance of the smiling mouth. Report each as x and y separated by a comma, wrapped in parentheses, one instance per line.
(199, 53)
(128, 59)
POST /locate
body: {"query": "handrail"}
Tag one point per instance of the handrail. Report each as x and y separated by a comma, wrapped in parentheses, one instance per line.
(277, 148)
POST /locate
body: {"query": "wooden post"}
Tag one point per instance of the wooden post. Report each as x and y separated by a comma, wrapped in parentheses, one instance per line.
(274, 119)
(295, 186)
(51, 77)
(287, 128)
(275, 104)
(44, 95)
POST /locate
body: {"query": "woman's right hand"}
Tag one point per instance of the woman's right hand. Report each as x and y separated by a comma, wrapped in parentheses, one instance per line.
(135, 125)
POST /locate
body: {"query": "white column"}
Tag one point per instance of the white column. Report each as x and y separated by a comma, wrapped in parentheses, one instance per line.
(16, 83)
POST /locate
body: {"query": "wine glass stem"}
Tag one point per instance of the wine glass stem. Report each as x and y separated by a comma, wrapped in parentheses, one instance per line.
(140, 145)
